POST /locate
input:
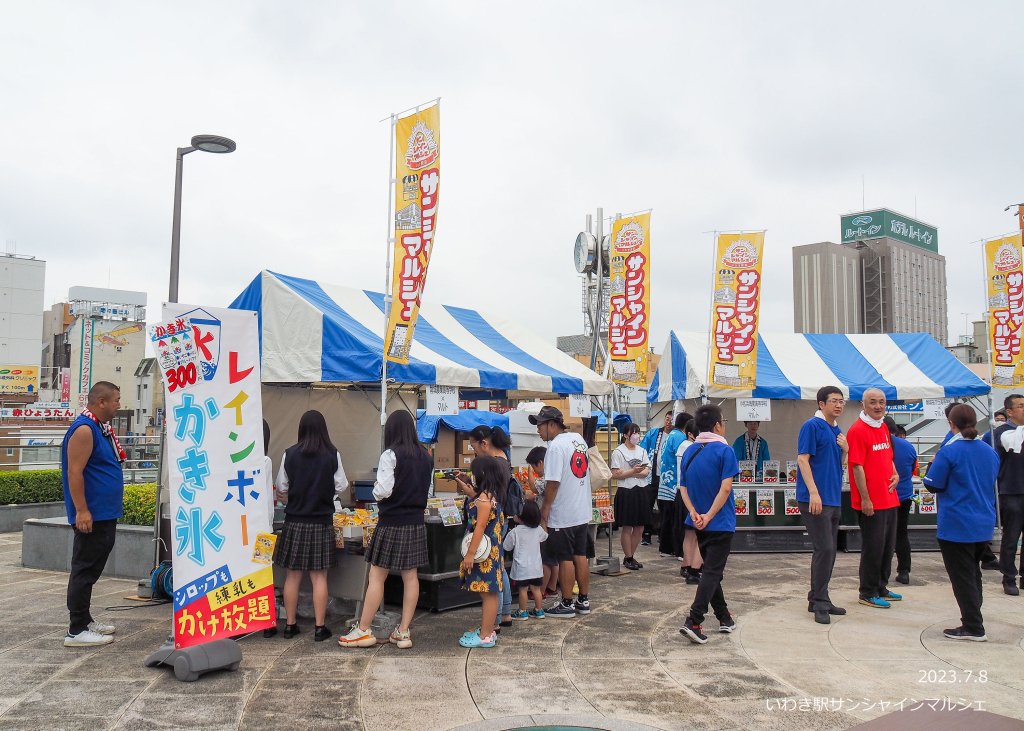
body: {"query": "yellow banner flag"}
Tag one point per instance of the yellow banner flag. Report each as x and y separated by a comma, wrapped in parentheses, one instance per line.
(736, 303)
(417, 184)
(629, 320)
(1005, 296)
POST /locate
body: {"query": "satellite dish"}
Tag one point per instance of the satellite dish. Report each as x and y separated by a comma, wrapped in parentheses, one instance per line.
(585, 254)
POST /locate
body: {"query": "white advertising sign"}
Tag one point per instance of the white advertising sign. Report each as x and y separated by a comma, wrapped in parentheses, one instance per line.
(442, 400)
(753, 409)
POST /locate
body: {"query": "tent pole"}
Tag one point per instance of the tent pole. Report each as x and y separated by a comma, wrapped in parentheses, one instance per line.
(387, 286)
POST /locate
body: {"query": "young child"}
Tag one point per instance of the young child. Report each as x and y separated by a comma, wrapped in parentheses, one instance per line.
(527, 570)
(550, 584)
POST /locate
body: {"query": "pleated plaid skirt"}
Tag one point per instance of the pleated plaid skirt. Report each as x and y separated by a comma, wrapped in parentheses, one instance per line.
(306, 546)
(398, 547)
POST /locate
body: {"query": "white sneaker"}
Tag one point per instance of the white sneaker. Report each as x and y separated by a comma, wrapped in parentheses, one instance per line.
(87, 638)
(357, 638)
(102, 629)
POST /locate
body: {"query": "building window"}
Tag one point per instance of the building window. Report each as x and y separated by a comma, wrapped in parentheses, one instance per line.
(10, 451)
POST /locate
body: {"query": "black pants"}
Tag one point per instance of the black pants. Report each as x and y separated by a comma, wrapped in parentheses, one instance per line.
(823, 530)
(88, 558)
(878, 542)
(902, 537)
(671, 527)
(1011, 510)
(651, 493)
(963, 564)
(714, 547)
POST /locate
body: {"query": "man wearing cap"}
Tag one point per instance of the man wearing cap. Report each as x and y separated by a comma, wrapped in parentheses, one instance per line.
(567, 509)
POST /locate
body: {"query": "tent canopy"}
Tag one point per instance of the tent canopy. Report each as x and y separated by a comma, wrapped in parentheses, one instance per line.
(794, 366)
(313, 332)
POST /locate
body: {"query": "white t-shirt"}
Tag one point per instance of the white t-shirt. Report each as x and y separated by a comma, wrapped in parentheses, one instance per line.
(567, 463)
(626, 456)
(525, 546)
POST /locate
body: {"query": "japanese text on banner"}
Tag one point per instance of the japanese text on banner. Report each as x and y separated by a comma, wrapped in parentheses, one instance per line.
(629, 320)
(735, 308)
(1004, 291)
(217, 475)
(417, 191)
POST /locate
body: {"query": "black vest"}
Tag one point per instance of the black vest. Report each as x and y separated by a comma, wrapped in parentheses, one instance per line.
(310, 486)
(413, 477)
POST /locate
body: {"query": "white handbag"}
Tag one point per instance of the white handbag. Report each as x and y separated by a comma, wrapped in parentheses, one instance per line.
(483, 551)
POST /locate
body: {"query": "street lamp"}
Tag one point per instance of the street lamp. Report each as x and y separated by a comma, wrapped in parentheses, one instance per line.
(204, 143)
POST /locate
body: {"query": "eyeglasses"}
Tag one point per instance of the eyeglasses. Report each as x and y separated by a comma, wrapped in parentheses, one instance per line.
(836, 402)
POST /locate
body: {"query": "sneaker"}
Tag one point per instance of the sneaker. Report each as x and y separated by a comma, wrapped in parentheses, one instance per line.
(290, 630)
(520, 615)
(562, 611)
(403, 640)
(582, 606)
(357, 638)
(87, 638)
(960, 633)
(692, 577)
(645, 541)
(321, 633)
(548, 594)
(891, 596)
(102, 629)
(1010, 588)
(992, 565)
(876, 602)
(630, 563)
(693, 631)
(727, 625)
(537, 613)
(903, 577)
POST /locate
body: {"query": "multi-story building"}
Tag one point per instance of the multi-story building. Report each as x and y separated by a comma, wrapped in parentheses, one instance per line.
(149, 395)
(21, 326)
(886, 276)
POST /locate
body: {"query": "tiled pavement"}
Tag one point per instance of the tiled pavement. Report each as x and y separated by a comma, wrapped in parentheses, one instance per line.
(625, 665)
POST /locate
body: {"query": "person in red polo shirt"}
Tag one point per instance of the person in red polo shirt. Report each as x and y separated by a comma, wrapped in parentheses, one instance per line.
(873, 480)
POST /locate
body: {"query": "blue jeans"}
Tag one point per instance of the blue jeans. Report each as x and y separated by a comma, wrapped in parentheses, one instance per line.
(506, 594)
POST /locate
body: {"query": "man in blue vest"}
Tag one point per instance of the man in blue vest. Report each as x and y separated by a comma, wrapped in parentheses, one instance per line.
(91, 460)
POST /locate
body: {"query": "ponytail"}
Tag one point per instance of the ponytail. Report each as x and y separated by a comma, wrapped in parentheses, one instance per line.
(964, 418)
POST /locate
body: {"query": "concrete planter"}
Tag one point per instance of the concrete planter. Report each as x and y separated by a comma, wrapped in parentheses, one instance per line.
(46, 544)
(12, 516)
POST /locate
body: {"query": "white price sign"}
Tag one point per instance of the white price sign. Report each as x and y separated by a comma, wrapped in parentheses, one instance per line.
(935, 408)
(442, 400)
(578, 404)
(753, 409)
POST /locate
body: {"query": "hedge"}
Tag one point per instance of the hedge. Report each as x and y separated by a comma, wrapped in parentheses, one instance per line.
(45, 486)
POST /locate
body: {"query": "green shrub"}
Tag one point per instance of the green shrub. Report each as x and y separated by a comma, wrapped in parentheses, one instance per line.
(32, 486)
(139, 504)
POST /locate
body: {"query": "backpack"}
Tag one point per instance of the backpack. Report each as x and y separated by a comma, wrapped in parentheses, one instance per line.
(515, 498)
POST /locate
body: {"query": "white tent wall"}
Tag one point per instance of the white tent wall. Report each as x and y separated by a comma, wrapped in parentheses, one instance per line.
(353, 421)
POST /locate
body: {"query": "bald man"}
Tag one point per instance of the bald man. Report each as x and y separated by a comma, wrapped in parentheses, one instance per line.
(873, 480)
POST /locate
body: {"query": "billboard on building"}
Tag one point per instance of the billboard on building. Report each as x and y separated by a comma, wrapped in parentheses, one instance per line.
(19, 379)
(883, 222)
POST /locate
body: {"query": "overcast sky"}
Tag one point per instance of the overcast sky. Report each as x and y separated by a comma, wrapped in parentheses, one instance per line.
(716, 115)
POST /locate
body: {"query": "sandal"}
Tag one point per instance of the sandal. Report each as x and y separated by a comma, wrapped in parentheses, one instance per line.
(473, 639)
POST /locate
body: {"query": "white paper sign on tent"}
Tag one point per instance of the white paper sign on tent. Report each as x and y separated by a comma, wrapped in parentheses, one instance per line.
(753, 409)
(578, 405)
(935, 408)
(442, 400)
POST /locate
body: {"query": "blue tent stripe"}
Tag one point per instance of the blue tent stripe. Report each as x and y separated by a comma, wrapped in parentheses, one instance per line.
(933, 360)
(485, 333)
(251, 299)
(852, 368)
(431, 337)
(771, 382)
(678, 365)
(652, 390)
(352, 352)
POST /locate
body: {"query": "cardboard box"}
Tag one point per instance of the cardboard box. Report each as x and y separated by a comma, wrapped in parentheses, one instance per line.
(466, 460)
(444, 449)
(442, 484)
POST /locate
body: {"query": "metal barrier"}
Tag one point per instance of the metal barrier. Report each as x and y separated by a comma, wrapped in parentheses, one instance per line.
(24, 448)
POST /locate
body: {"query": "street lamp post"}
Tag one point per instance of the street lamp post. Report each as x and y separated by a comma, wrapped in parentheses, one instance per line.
(205, 143)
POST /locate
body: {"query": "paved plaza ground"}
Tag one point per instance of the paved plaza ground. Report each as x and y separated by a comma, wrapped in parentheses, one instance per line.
(623, 667)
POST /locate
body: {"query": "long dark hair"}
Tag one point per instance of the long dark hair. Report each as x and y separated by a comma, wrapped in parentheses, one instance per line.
(400, 435)
(495, 435)
(629, 430)
(491, 476)
(313, 436)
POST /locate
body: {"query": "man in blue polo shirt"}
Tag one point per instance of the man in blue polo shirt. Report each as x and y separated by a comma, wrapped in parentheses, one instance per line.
(707, 470)
(821, 451)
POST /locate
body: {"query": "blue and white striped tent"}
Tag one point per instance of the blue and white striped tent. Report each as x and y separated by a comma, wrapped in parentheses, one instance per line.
(794, 366)
(312, 332)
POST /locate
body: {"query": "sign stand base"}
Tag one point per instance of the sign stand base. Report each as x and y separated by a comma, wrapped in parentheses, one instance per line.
(191, 662)
(606, 565)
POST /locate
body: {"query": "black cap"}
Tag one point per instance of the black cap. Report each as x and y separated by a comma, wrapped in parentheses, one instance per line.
(547, 413)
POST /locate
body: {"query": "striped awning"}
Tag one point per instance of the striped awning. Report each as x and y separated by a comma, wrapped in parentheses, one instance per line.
(905, 366)
(313, 332)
